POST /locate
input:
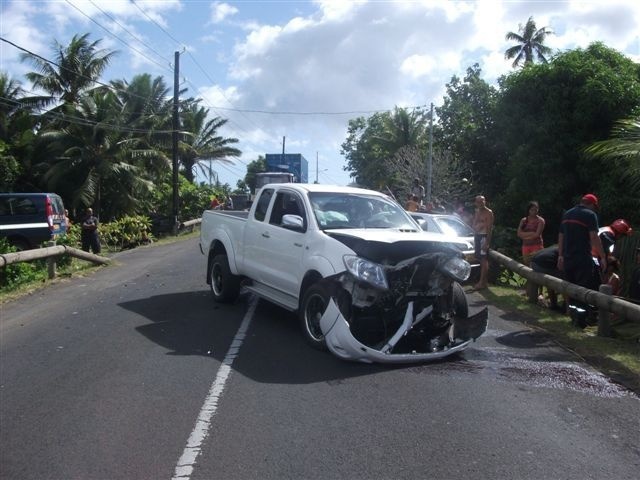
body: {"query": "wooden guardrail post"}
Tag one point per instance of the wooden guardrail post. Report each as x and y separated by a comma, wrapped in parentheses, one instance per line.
(532, 291)
(604, 316)
(622, 308)
(51, 261)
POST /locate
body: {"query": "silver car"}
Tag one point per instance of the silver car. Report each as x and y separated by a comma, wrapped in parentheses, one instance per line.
(449, 225)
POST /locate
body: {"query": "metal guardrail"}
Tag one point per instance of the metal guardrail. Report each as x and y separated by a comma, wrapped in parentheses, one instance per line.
(606, 303)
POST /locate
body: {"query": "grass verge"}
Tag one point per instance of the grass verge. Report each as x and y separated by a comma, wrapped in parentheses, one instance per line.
(617, 358)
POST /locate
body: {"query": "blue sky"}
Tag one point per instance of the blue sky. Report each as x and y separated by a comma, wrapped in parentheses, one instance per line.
(303, 69)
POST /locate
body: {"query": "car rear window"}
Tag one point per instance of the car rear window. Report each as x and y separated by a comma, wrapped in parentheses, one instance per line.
(58, 206)
(17, 206)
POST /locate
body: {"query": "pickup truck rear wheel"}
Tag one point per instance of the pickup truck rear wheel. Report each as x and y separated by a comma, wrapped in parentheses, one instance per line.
(314, 304)
(225, 286)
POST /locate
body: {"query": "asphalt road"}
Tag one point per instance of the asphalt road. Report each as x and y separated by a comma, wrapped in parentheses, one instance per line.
(134, 373)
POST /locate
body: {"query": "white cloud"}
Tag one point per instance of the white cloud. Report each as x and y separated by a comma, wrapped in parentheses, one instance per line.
(16, 27)
(336, 10)
(220, 11)
(417, 66)
(321, 56)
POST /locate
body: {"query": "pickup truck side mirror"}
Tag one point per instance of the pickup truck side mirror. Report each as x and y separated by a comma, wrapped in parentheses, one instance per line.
(293, 222)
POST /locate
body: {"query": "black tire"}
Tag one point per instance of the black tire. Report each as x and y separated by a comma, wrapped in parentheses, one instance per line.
(314, 303)
(460, 303)
(225, 286)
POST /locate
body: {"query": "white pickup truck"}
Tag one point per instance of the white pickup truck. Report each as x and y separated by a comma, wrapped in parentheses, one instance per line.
(366, 281)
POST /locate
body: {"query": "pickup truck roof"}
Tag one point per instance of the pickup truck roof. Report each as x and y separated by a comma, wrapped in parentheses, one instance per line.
(315, 187)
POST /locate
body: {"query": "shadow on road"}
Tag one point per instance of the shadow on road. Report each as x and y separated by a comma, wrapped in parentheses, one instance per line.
(191, 323)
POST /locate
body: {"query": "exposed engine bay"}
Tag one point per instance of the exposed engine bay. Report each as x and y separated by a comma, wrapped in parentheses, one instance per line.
(419, 313)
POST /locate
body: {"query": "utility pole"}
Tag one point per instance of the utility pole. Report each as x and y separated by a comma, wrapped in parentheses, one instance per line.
(176, 121)
(283, 163)
(316, 167)
(430, 164)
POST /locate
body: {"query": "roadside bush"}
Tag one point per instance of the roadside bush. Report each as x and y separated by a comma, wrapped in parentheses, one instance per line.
(126, 232)
(12, 276)
(69, 239)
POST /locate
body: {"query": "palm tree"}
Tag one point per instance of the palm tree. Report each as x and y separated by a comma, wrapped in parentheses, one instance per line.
(530, 42)
(10, 103)
(76, 69)
(623, 144)
(402, 128)
(200, 140)
(98, 152)
(147, 110)
(17, 136)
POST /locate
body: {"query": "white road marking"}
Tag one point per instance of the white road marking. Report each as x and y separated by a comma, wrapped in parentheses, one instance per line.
(187, 461)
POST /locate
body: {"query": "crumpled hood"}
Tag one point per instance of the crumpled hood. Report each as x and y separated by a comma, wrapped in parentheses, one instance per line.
(388, 235)
(389, 246)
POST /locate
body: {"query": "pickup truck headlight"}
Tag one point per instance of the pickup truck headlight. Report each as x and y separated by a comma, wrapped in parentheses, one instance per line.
(366, 271)
(457, 268)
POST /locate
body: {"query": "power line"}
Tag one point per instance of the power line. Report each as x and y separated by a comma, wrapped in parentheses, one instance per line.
(75, 120)
(178, 42)
(118, 38)
(131, 34)
(62, 67)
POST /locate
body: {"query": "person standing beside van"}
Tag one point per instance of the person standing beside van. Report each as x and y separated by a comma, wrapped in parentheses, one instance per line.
(89, 236)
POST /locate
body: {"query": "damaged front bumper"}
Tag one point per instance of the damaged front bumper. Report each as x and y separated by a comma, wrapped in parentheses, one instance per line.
(341, 342)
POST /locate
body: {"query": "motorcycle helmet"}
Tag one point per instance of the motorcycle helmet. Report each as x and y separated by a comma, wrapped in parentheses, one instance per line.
(621, 227)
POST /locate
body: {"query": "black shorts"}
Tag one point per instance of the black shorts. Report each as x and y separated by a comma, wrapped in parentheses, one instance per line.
(478, 238)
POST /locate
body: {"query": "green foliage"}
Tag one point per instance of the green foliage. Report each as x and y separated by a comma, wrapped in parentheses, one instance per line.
(241, 188)
(9, 169)
(256, 166)
(202, 145)
(192, 199)
(507, 278)
(506, 241)
(530, 43)
(127, 232)
(547, 114)
(196, 198)
(374, 147)
(14, 275)
(467, 133)
(69, 239)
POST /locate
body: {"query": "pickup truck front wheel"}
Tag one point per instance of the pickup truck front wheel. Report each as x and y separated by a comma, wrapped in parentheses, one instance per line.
(314, 304)
(225, 286)
(460, 303)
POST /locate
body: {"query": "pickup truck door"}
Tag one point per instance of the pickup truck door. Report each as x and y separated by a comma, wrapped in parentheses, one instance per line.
(281, 249)
(255, 234)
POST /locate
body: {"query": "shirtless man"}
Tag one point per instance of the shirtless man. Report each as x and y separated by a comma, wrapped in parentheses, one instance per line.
(483, 227)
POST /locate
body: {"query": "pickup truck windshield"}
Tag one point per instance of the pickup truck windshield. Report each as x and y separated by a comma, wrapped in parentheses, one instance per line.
(341, 210)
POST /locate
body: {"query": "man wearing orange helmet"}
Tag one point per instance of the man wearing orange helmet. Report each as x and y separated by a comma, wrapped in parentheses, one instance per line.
(609, 235)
